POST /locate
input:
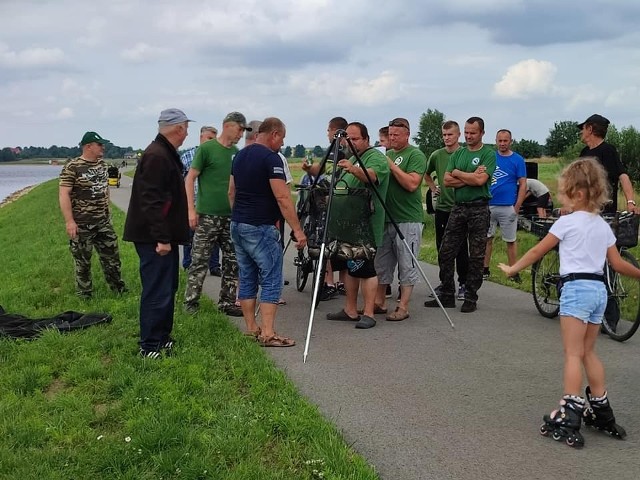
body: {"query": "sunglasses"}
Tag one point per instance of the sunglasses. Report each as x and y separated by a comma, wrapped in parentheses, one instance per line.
(394, 123)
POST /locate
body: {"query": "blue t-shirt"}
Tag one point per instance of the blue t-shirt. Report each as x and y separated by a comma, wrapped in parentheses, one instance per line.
(504, 182)
(254, 201)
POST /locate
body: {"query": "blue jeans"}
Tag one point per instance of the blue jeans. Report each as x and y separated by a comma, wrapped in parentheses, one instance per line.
(214, 261)
(159, 277)
(259, 256)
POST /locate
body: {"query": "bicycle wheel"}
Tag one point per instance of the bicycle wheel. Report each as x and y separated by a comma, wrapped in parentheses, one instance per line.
(302, 269)
(544, 284)
(622, 317)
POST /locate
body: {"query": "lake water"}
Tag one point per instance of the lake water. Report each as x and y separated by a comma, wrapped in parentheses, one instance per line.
(16, 177)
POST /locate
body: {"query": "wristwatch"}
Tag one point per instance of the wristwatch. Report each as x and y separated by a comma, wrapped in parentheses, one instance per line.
(632, 202)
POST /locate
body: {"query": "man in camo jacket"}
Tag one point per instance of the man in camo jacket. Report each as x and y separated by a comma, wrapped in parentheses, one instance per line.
(84, 201)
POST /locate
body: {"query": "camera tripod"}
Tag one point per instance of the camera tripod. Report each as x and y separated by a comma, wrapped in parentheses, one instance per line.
(320, 271)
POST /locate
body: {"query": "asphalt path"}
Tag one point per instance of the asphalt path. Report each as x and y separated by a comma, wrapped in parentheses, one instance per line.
(420, 400)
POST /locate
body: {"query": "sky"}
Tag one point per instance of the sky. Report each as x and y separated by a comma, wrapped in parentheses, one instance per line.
(70, 66)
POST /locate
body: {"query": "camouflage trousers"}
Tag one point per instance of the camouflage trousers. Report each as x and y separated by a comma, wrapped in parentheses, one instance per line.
(465, 222)
(103, 237)
(212, 229)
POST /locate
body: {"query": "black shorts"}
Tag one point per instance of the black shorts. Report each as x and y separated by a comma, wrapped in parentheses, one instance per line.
(337, 265)
(361, 268)
(543, 200)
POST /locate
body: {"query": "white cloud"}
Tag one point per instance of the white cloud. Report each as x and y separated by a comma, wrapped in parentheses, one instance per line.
(30, 57)
(344, 90)
(142, 52)
(526, 79)
(624, 97)
(64, 114)
(381, 89)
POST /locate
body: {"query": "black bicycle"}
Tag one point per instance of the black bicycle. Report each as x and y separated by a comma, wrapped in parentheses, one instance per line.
(622, 315)
(311, 209)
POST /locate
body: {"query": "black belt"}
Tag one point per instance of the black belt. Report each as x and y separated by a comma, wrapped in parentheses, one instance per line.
(475, 203)
(581, 276)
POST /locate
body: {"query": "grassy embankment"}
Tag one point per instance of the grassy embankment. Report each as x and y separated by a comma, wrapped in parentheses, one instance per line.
(84, 405)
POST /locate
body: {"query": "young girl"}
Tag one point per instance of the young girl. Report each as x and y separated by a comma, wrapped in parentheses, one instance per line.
(585, 240)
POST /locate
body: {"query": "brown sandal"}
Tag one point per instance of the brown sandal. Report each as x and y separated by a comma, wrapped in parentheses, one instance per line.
(399, 315)
(276, 341)
(255, 334)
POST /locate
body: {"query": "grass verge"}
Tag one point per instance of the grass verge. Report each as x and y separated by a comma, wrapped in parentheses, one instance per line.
(83, 405)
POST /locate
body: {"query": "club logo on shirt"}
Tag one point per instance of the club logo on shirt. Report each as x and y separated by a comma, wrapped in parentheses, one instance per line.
(475, 162)
(399, 160)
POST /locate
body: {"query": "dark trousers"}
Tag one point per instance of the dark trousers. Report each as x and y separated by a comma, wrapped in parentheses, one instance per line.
(159, 277)
(214, 260)
(462, 259)
(465, 223)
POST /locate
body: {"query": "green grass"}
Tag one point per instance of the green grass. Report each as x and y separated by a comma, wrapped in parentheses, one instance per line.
(84, 405)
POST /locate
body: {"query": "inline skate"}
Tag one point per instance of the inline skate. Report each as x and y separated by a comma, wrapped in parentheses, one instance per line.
(599, 415)
(565, 422)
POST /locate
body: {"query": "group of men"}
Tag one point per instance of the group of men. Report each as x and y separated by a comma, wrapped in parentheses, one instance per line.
(238, 200)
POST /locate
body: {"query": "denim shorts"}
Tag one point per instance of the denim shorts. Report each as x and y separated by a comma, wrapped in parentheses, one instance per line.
(259, 256)
(584, 299)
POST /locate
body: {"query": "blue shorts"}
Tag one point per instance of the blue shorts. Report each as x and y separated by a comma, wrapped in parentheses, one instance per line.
(259, 256)
(584, 299)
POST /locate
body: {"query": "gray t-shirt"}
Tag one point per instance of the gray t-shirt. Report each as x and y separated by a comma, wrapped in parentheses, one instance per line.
(536, 187)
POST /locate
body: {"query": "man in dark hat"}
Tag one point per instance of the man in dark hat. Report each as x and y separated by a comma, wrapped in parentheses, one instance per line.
(84, 202)
(592, 133)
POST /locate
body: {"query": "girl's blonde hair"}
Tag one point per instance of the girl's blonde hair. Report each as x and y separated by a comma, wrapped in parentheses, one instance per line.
(588, 175)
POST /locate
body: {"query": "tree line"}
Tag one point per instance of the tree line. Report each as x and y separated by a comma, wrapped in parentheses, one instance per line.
(9, 155)
(563, 141)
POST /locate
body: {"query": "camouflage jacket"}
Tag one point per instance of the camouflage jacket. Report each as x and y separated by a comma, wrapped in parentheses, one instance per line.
(89, 190)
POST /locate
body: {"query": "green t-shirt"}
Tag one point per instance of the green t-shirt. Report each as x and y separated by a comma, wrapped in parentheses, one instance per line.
(437, 162)
(405, 206)
(467, 161)
(213, 161)
(377, 161)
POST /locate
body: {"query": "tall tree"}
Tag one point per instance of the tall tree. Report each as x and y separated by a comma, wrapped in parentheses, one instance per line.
(627, 141)
(287, 151)
(527, 148)
(429, 136)
(7, 155)
(299, 151)
(562, 136)
(318, 151)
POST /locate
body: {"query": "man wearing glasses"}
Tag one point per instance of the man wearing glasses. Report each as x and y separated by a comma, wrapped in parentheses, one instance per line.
(84, 201)
(468, 173)
(407, 165)
(210, 216)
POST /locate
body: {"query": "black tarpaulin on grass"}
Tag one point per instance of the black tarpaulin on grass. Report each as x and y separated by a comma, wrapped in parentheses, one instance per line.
(13, 325)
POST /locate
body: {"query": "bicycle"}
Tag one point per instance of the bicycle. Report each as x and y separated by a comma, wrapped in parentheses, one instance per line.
(622, 315)
(311, 210)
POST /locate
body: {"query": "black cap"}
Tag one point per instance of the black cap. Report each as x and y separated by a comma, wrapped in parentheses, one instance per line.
(597, 119)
